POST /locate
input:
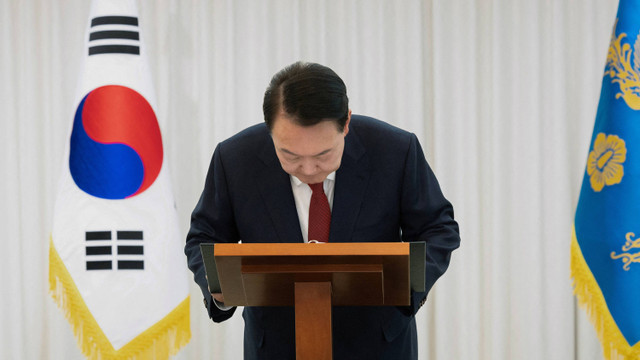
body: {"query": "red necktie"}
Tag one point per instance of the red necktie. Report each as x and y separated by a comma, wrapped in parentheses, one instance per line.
(319, 214)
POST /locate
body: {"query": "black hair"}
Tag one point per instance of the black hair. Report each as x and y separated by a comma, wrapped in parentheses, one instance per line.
(309, 93)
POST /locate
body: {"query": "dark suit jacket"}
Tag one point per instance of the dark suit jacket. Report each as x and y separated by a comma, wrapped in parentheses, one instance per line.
(384, 191)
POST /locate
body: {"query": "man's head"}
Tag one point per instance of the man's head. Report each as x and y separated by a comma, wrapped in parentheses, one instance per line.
(306, 109)
(308, 93)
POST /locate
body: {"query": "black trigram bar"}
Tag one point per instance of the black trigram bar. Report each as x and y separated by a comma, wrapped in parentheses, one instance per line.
(98, 235)
(114, 49)
(130, 250)
(114, 20)
(130, 265)
(129, 235)
(98, 250)
(99, 265)
(114, 34)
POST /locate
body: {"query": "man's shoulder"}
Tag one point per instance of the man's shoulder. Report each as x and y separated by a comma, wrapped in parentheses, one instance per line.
(249, 138)
(247, 146)
(370, 129)
(252, 132)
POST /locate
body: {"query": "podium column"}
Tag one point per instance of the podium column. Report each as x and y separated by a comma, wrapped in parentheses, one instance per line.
(313, 320)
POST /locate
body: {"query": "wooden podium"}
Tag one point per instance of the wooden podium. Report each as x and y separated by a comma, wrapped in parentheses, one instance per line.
(313, 277)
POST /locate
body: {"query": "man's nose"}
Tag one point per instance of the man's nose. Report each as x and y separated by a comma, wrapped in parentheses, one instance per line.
(308, 167)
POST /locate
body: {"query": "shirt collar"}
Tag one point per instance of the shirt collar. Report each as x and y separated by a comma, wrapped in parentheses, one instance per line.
(297, 181)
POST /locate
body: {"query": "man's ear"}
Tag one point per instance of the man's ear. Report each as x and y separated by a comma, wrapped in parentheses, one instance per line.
(346, 124)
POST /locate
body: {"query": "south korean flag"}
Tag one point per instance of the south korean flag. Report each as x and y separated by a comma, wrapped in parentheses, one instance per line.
(117, 268)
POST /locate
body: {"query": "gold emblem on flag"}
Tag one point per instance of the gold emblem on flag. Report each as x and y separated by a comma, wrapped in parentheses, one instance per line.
(627, 257)
(604, 164)
(621, 71)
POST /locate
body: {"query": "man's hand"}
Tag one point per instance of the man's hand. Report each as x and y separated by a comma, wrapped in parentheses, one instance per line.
(218, 296)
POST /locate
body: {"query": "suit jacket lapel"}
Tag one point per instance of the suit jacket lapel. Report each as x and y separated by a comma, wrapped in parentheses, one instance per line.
(351, 182)
(275, 189)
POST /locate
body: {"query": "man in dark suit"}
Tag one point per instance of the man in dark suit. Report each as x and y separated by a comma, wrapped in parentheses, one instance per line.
(379, 188)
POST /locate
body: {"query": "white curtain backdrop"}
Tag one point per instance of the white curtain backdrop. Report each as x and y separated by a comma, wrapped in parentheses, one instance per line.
(501, 93)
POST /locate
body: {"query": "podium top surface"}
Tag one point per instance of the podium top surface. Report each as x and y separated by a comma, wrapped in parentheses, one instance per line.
(313, 249)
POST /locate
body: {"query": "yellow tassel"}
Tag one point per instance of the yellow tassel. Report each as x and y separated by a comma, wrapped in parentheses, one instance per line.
(590, 298)
(163, 339)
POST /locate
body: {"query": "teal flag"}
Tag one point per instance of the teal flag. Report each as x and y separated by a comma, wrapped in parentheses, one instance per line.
(605, 251)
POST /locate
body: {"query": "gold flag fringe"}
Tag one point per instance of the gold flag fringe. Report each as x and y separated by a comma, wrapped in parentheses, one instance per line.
(590, 298)
(163, 339)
